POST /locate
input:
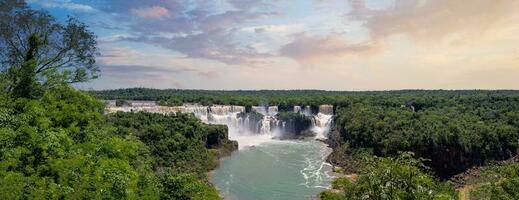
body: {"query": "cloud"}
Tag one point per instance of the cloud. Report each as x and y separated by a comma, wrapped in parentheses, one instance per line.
(275, 28)
(208, 74)
(368, 44)
(198, 30)
(138, 75)
(116, 55)
(121, 61)
(215, 45)
(433, 20)
(314, 49)
(124, 70)
(118, 52)
(248, 4)
(132, 73)
(359, 10)
(442, 23)
(227, 19)
(63, 4)
(151, 12)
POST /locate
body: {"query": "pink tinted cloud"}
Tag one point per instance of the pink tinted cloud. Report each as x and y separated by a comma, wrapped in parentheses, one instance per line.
(314, 49)
(151, 12)
(433, 20)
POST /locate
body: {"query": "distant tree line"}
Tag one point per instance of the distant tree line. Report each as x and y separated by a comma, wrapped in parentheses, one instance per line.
(282, 98)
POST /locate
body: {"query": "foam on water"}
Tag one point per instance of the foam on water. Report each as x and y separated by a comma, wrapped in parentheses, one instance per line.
(317, 170)
(245, 141)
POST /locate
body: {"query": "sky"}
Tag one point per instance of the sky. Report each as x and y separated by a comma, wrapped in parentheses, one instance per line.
(301, 44)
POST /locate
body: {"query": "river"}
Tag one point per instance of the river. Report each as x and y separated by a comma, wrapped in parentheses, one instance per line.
(275, 169)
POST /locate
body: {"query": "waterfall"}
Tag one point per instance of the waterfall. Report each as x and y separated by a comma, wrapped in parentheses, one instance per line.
(201, 112)
(321, 125)
(261, 121)
(260, 109)
(306, 110)
(297, 109)
(266, 110)
(323, 121)
(272, 110)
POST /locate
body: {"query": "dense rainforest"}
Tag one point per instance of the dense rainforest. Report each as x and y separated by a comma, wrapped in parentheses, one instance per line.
(446, 132)
(452, 133)
(57, 143)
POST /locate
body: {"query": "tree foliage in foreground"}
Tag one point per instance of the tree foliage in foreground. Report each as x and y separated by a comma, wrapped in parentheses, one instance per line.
(38, 51)
(58, 147)
(180, 142)
(55, 142)
(497, 182)
(181, 147)
(61, 146)
(401, 177)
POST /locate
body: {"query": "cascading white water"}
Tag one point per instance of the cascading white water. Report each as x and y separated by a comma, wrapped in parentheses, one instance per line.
(305, 110)
(322, 124)
(260, 109)
(242, 125)
(269, 125)
(323, 121)
(272, 110)
(201, 112)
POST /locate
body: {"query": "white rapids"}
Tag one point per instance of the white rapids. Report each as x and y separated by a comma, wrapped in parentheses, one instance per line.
(248, 130)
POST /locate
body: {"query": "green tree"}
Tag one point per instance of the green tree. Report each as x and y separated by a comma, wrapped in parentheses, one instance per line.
(392, 178)
(36, 47)
(60, 147)
(185, 187)
(23, 79)
(497, 182)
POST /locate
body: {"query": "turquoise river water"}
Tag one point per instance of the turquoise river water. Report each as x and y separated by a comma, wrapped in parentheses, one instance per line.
(275, 169)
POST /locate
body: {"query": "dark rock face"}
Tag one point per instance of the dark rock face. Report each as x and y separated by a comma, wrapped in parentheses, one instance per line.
(295, 124)
(254, 120)
(314, 109)
(248, 108)
(285, 108)
(120, 103)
